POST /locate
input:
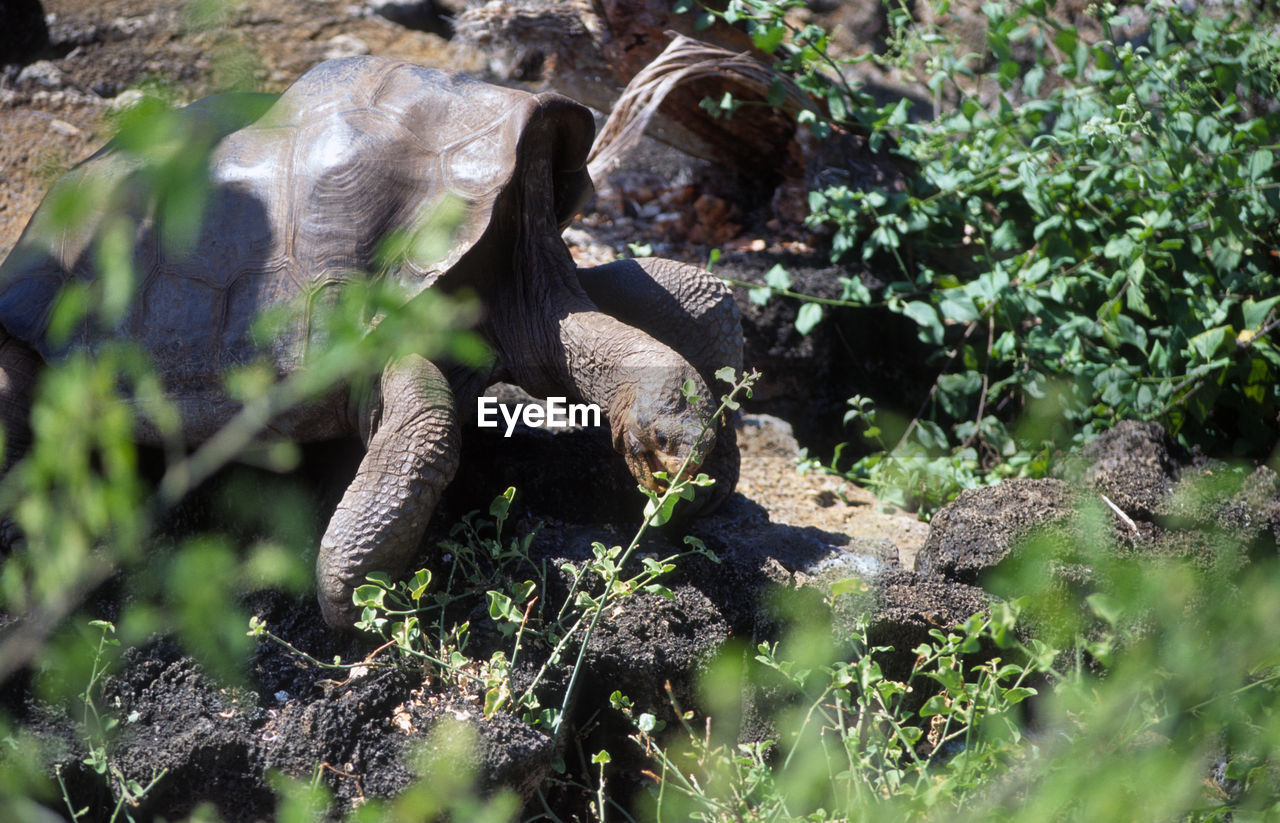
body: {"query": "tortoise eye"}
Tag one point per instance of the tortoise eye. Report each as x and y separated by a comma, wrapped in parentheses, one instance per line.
(660, 439)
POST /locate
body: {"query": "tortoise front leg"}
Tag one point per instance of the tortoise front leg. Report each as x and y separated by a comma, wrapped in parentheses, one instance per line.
(412, 455)
(692, 311)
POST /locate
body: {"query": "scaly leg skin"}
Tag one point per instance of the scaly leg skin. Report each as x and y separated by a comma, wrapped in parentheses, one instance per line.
(412, 455)
(692, 311)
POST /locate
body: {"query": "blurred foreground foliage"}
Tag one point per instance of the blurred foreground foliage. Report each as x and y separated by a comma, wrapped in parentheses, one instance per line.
(1149, 693)
(84, 507)
(1119, 262)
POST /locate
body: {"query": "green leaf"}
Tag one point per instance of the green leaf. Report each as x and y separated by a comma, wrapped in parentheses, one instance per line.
(502, 503)
(926, 317)
(658, 516)
(1018, 694)
(495, 698)
(368, 595)
(854, 290)
(1032, 79)
(848, 585)
(936, 705)
(959, 308)
(1225, 253)
(810, 315)
(899, 114)
(1256, 311)
(524, 590)
(1104, 607)
(499, 606)
(778, 278)
(1119, 247)
(955, 391)
(1208, 343)
(660, 590)
(836, 105)
(418, 585)
(1261, 163)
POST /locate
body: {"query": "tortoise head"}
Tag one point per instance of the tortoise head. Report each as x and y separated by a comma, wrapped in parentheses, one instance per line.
(658, 428)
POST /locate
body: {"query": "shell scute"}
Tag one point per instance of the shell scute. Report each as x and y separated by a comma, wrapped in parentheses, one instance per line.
(303, 190)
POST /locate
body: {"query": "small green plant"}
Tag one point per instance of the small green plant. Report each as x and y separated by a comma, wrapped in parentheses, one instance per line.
(851, 739)
(420, 620)
(96, 726)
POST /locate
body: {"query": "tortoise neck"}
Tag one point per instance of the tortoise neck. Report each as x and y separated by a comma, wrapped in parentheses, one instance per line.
(552, 338)
(605, 359)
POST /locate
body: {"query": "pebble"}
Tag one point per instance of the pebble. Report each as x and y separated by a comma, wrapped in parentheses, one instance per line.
(64, 128)
(43, 72)
(346, 45)
(126, 99)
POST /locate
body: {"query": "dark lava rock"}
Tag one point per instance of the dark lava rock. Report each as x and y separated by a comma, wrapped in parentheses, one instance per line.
(1135, 465)
(363, 732)
(808, 379)
(23, 33)
(432, 16)
(981, 526)
(908, 605)
(197, 737)
(370, 727)
(652, 645)
(362, 737)
(1254, 510)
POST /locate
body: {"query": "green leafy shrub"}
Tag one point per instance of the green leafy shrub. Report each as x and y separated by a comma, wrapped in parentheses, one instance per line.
(1092, 239)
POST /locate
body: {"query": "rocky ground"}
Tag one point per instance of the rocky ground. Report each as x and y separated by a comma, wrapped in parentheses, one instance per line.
(216, 743)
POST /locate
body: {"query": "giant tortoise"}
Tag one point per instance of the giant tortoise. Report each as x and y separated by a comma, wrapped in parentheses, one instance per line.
(301, 193)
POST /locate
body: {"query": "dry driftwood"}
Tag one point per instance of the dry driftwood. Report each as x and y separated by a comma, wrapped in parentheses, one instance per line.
(591, 50)
(677, 80)
(588, 49)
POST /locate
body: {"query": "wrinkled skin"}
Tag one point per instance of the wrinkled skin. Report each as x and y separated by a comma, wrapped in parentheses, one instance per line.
(303, 189)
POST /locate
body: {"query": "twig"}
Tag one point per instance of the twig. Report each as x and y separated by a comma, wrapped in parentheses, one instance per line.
(1124, 518)
(349, 776)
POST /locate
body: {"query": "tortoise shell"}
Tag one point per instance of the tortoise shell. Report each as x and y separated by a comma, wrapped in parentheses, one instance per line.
(301, 192)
